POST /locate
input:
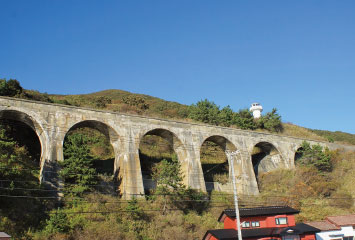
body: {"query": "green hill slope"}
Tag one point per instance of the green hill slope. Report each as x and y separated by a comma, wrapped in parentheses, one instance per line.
(126, 102)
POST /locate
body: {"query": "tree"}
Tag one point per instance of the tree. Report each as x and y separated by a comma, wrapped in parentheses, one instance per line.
(271, 121)
(169, 177)
(57, 223)
(10, 88)
(208, 112)
(244, 119)
(315, 156)
(77, 171)
(205, 111)
(225, 116)
(134, 210)
(19, 175)
(14, 159)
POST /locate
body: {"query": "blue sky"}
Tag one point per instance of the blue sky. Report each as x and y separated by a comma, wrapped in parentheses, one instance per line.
(297, 56)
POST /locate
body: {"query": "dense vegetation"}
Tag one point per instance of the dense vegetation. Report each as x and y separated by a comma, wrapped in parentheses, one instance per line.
(208, 112)
(19, 176)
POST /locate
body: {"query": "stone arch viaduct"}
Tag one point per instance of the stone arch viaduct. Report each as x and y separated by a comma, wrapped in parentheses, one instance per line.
(51, 122)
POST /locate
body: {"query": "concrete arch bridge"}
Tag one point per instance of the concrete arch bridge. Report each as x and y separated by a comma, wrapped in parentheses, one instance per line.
(51, 123)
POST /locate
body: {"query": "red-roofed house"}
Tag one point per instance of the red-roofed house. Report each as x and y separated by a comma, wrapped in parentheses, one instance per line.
(4, 236)
(275, 222)
(336, 228)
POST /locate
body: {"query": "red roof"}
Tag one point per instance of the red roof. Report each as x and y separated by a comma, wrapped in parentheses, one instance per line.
(345, 220)
(323, 225)
(4, 235)
(258, 211)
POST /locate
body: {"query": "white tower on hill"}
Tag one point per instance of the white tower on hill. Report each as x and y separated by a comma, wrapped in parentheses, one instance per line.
(256, 108)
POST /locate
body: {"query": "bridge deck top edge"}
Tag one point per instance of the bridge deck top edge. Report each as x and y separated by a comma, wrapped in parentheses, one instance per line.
(162, 119)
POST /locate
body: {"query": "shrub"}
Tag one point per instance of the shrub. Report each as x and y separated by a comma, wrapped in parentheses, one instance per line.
(57, 223)
(10, 88)
(102, 101)
(315, 156)
(136, 101)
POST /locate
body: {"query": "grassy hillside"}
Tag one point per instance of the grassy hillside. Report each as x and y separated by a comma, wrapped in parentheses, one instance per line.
(337, 136)
(301, 132)
(125, 102)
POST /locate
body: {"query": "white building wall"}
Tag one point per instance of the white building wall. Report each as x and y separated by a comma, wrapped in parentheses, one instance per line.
(336, 234)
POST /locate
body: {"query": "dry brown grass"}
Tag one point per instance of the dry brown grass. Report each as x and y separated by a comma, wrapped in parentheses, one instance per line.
(300, 132)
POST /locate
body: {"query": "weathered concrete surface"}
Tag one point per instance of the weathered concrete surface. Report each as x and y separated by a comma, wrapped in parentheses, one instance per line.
(52, 122)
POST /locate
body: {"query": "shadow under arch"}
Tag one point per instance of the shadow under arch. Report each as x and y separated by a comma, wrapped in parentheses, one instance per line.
(28, 132)
(298, 155)
(105, 129)
(166, 146)
(108, 169)
(265, 157)
(216, 167)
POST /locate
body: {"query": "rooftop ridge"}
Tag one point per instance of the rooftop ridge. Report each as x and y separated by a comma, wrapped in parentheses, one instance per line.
(342, 215)
(263, 207)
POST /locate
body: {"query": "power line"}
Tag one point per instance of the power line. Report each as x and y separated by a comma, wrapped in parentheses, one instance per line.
(244, 196)
(256, 204)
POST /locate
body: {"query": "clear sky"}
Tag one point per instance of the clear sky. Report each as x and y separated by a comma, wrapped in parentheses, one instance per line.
(297, 56)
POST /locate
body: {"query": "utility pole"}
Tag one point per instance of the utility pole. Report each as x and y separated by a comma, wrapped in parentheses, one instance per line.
(231, 155)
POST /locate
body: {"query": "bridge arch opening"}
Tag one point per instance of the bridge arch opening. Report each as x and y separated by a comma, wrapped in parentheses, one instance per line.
(215, 164)
(265, 158)
(298, 154)
(21, 140)
(99, 140)
(154, 146)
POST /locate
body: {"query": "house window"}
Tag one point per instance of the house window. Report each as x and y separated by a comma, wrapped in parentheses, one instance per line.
(348, 238)
(281, 221)
(255, 224)
(246, 224)
(291, 237)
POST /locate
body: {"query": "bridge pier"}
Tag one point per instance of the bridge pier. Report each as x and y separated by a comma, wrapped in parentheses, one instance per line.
(52, 155)
(129, 169)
